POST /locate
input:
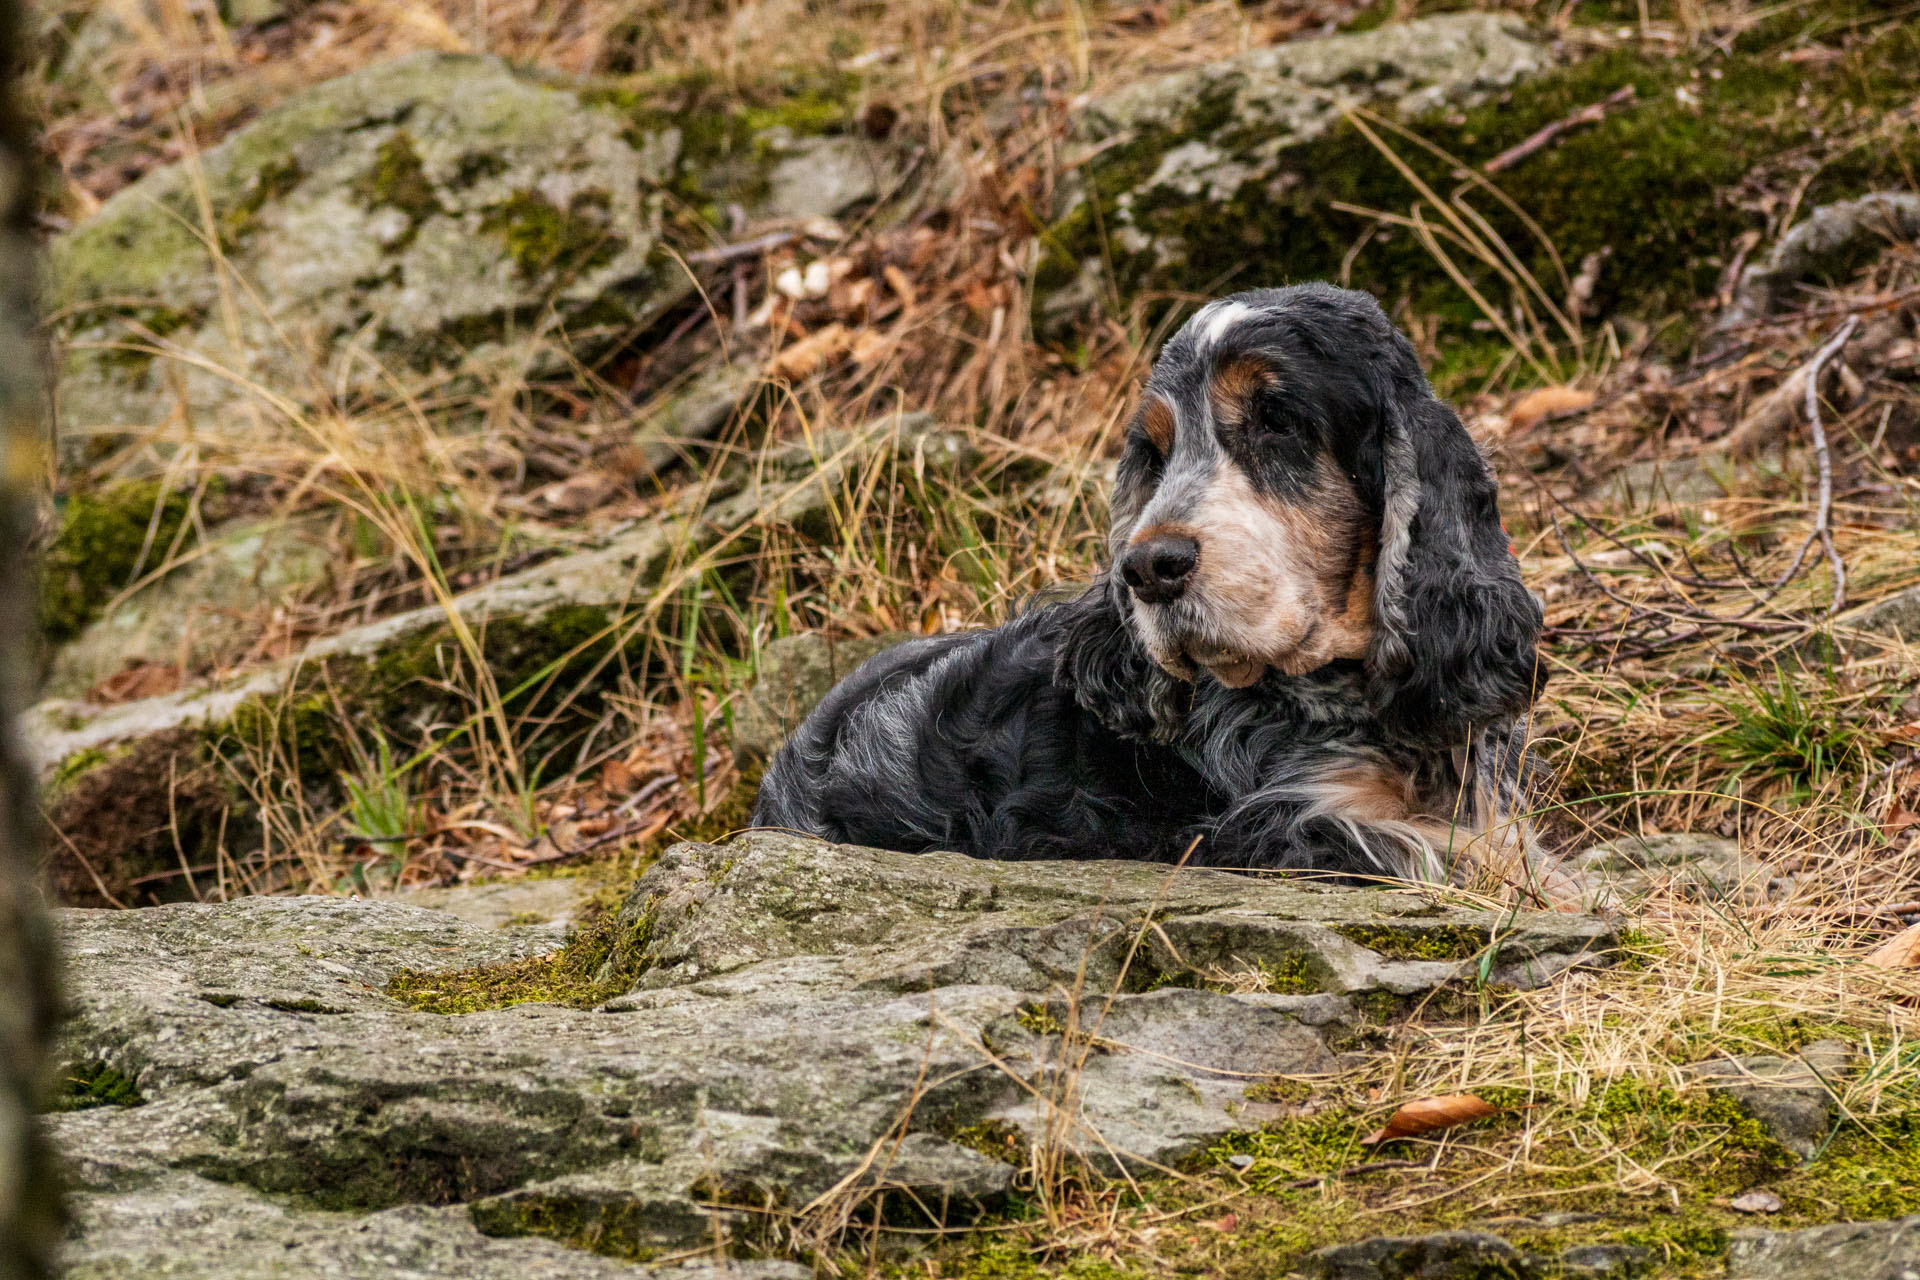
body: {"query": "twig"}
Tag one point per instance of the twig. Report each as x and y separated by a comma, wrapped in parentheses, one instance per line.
(1828, 313)
(743, 248)
(1592, 113)
(1822, 517)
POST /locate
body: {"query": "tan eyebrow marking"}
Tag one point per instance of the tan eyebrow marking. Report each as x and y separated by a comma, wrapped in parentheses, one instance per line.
(1158, 422)
(1232, 387)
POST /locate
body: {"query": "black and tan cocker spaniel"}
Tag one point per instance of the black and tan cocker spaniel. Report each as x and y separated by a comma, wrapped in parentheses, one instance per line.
(1312, 649)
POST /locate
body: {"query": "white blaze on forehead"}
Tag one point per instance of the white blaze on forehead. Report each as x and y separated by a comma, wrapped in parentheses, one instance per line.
(1216, 318)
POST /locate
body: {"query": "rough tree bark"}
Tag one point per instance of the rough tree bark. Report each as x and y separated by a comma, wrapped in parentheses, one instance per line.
(28, 1199)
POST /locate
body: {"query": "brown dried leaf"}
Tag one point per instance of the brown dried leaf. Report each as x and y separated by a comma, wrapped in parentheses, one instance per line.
(139, 680)
(1901, 951)
(812, 353)
(1424, 1115)
(1535, 407)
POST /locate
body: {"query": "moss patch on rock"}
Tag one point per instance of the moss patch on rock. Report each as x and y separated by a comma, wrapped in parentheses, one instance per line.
(543, 238)
(95, 1084)
(602, 958)
(1651, 187)
(104, 540)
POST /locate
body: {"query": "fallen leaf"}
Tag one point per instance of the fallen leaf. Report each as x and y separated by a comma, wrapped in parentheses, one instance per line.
(870, 345)
(812, 353)
(1901, 951)
(1759, 1200)
(1898, 819)
(617, 778)
(898, 282)
(140, 680)
(1428, 1114)
(1535, 407)
(1228, 1223)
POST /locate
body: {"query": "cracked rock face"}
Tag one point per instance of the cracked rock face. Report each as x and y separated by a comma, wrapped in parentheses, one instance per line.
(813, 1021)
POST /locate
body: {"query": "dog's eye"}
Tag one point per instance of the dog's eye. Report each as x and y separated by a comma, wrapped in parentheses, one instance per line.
(1270, 415)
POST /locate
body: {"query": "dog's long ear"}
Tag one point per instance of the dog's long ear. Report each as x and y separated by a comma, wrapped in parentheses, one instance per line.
(1098, 657)
(1457, 630)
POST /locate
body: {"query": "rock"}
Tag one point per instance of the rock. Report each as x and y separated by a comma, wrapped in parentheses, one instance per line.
(434, 210)
(555, 900)
(125, 781)
(795, 673)
(1604, 1261)
(435, 213)
(694, 413)
(1680, 482)
(1446, 1255)
(1213, 138)
(187, 1226)
(809, 1019)
(1829, 243)
(202, 614)
(1843, 1251)
(1791, 1097)
(1897, 617)
(1704, 867)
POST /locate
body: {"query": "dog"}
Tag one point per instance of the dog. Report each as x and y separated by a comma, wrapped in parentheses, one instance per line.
(1311, 650)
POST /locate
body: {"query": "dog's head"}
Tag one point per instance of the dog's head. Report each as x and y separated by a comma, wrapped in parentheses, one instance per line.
(1292, 494)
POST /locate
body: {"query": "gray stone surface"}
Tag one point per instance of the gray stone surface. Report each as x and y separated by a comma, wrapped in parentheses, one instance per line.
(1619, 872)
(1446, 1255)
(810, 1021)
(1662, 482)
(795, 673)
(1791, 1096)
(555, 900)
(1220, 131)
(1843, 1251)
(185, 1226)
(367, 223)
(1829, 240)
(1897, 616)
(437, 212)
(204, 612)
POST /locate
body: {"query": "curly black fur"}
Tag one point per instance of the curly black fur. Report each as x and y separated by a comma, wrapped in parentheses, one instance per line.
(1059, 736)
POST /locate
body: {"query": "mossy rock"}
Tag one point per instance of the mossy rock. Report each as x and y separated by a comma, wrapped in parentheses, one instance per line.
(1234, 174)
(207, 610)
(378, 222)
(103, 541)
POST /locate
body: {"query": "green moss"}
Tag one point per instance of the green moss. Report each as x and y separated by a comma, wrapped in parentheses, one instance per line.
(1590, 190)
(96, 1084)
(241, 216)
(1288, 1092)
(1294, 974)
(543, 238)
(398, 180)
(105, 539)
(602, 958)
(995, 1139)
(724, 128)
(1418, 942)
(1037, 1019)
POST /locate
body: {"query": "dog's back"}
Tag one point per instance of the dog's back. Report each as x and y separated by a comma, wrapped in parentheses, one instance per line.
(967, 742)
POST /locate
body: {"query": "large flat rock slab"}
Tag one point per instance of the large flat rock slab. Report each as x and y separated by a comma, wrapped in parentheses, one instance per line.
(812, 1025)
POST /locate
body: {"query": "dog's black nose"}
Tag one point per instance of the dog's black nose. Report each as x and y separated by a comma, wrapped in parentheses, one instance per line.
(1157, 570)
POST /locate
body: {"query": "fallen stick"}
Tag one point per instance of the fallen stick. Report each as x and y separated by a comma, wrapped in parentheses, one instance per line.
(1592, 113)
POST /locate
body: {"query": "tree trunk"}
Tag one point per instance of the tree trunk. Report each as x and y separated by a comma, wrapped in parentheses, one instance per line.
(28, 1199)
